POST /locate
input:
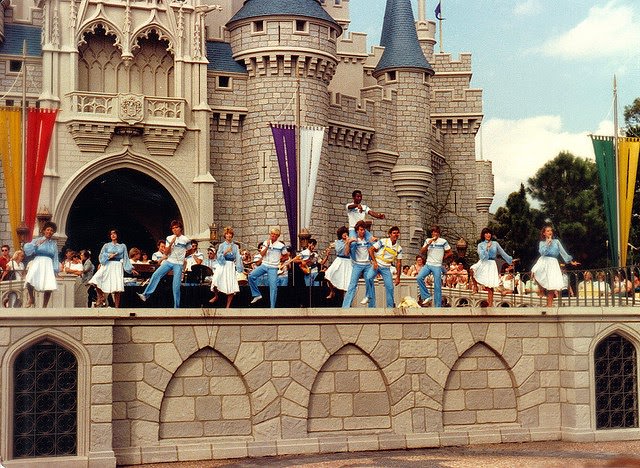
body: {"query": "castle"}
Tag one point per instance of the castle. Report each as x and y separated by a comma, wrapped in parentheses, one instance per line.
(165, 108)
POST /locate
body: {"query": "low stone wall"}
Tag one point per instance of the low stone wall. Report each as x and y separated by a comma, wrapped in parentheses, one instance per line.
(174, 385)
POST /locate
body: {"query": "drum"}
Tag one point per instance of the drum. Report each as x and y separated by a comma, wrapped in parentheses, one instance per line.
(242, 279)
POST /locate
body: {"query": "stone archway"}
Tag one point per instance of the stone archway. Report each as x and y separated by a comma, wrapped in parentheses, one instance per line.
(125, 199)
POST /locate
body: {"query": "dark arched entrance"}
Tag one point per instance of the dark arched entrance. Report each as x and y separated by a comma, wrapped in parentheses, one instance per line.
(124, 199)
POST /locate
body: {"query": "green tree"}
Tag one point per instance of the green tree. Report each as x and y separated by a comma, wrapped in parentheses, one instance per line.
(632, 118)
(516, 227)
(570, 199)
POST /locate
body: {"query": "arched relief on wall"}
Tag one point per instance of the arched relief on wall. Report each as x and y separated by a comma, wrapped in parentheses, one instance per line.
(151, 71)
(480, 390)
(83, 401)
(144, 33)
(206, 397)
(130, 160)
(350, 393)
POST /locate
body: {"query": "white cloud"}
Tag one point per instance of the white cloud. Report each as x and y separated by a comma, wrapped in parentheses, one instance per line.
(527, 8)
(518, 148)
(608, 30)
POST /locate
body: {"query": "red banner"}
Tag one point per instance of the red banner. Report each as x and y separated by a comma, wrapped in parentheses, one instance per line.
(40, 124)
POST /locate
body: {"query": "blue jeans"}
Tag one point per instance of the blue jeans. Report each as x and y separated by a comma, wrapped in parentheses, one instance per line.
(387, 277)
(437, 283)
(162, 270)
(272, 277)
(359, 270)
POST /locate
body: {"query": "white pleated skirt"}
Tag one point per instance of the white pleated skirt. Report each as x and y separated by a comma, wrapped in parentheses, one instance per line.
(547, 273)
(225, 278)
(339, 273)
(109, 278)
(485, 273)
(40, 274)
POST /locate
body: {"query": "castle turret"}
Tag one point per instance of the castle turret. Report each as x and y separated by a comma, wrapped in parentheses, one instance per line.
(283, 45)
(403, 70)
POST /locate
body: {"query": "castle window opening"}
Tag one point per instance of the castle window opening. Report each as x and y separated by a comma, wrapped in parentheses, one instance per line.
(45, 402)
(15, 66)
(616, 383)
(302, 26)
(257, 26)
(224, 82)
(392, 76)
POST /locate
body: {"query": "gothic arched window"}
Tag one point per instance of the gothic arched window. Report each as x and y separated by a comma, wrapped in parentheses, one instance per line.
(616, 383)
(45, 402)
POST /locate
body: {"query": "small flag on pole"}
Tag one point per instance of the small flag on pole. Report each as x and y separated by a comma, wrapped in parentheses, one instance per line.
(439, 11)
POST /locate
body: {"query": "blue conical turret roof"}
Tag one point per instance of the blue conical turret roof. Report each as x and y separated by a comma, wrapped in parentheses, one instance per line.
(400, 39)
(304, 8)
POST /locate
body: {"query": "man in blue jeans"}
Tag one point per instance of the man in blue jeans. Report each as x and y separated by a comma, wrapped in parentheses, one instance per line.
(272, 252)
(172, 260)
(358, 249)
(384, 252)
(437, 249)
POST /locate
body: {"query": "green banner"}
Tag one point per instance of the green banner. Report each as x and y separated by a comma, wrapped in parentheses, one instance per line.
(606, 162)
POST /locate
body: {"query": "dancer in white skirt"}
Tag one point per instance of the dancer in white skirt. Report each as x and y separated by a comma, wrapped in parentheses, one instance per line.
(225, 277)
(485, 271)
(114, 261)
(546, 271)
(338, 275)
(41, 275)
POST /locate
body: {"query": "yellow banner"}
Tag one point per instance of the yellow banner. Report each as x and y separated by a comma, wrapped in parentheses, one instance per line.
(11, 155)
(628, 150)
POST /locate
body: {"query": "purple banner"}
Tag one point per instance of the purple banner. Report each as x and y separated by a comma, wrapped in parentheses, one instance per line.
(284, 137)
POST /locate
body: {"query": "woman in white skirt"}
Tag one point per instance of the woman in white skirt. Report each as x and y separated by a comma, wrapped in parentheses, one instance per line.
(225, 277)
(485, 271)
(41, 275)
(546, 270)
(338, 275)
(114, 261)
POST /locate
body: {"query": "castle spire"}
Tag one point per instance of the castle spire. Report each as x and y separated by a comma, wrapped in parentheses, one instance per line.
(400, 39)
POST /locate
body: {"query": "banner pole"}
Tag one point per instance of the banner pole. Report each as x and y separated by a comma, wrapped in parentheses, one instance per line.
(617, 172)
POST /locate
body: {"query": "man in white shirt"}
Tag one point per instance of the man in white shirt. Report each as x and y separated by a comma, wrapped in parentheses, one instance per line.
(196, 258)
(437, 249)
(384, 253)
(356, 211)
(158, 256)
(272, 251)
(173, 260)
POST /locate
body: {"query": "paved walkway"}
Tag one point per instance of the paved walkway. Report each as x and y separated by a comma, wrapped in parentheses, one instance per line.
(530, 455)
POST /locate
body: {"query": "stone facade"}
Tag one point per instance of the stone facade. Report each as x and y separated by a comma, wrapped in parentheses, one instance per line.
(404, 137)
(201, 384)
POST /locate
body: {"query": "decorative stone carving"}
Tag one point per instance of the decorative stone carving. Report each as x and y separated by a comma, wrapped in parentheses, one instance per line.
(381, 161)
(411, 182)
(130, 108)
(91, 136)
(162, 141)
(349, 136)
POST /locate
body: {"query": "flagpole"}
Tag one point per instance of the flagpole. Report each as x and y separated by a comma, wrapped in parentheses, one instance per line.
(298, 118)
(440, 26)
(617, 172)
(22, 229)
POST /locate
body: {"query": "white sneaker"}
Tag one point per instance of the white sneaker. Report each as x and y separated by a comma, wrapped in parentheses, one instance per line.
(365, 300)
(142, 297)
(426, 302)
(255, 299)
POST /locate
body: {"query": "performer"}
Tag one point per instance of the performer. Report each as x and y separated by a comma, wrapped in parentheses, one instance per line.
(358, 250)
(356, 211)
(172, 260)
(437, 249)
(546, 270)
(383, 253)
(485, 271)
(338, 275)
(41, 275)
(114, 261)
(225, 278)
(271, 251)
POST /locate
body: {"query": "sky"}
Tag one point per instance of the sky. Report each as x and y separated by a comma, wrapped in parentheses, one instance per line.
(546, 68)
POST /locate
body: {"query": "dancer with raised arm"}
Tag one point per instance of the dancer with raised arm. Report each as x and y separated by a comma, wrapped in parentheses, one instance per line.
(485, 271)
(546, 270)
(172, 260)
(338, 275)
(41, 275)
(356, 211)
(437, 249)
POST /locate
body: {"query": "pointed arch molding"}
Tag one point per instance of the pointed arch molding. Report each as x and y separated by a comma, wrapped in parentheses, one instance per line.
(125, 160)
(6, 386)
